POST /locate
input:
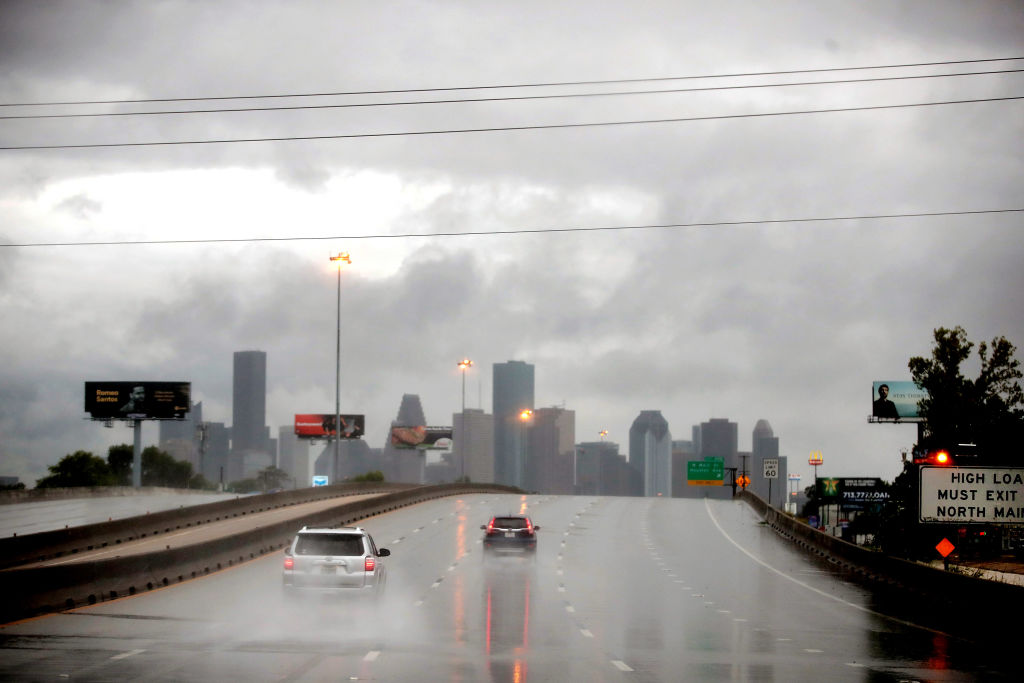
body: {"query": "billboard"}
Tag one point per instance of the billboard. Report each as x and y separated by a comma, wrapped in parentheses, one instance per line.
(422, 438)
(138, 400)
(861, 493)
(896, 401)
(321, 426)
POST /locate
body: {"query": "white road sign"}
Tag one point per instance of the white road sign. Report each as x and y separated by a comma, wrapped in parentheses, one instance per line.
(988, 495)
(771, 468)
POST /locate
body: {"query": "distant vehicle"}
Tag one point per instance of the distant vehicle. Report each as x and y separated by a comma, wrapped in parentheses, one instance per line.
(335, 560)
(510, 534)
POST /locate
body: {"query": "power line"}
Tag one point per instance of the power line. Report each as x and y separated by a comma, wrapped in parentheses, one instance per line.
(512, 98)
(555, 126)
(528, 231)
(513, 85)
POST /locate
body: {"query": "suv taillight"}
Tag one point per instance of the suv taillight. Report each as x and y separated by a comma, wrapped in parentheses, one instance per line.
(289, 563)
(369, 564)
(490, 527)
(529, 528)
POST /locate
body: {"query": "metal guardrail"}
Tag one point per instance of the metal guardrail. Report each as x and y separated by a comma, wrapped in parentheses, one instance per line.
(29, 592)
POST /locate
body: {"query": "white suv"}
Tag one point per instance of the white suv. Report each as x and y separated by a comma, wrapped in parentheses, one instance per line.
(341, 559)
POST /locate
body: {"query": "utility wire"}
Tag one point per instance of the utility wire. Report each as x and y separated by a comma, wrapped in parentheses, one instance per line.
(526, 231)
(556, 126)
(513, 85)
(515, 98)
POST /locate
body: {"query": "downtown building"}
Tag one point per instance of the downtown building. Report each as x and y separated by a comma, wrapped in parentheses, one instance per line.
(718, 438)
(473, 446)
(252, 449)
(551, 451)
(512, 392)
(602, 471)
(766, 445)
(650, 452)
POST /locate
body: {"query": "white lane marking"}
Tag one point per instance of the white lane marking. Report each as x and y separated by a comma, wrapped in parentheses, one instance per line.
(586, 633)
(371, 656)
(570, 609)
(126, 655)
(812, 650)
(621, 665)
(714, 520)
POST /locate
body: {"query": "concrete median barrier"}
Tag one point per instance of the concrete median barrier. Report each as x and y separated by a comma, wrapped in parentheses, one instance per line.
(57, 587)
(61, 543)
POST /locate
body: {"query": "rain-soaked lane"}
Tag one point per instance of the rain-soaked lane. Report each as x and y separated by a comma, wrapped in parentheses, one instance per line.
(621, 589)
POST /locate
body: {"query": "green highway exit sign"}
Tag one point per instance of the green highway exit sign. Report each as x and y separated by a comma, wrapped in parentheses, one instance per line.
(708, 472)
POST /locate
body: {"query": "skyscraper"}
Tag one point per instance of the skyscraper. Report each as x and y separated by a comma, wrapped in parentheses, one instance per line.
(650, 452)
(512, 393)
(766, 445)
(473, 451)
(550, 451)
(403, 464)
(250, 436)
(719, 439)
(180, 438)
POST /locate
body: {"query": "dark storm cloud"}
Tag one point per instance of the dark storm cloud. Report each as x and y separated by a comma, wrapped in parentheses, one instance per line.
(785, 322)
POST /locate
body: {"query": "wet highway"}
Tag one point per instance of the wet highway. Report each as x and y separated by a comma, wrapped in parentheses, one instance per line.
(621, 589)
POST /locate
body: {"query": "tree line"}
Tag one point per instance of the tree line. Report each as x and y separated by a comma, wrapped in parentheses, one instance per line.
(159, 468)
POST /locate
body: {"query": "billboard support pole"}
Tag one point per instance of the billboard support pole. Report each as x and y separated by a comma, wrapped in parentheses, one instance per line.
(137, 454)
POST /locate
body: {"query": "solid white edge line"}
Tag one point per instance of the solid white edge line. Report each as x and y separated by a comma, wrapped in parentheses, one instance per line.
(707, 506)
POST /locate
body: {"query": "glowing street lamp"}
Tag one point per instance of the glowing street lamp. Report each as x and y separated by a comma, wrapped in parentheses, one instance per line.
(342, 257)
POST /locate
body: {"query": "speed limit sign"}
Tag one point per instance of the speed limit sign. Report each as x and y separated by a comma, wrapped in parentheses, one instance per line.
(771, 468)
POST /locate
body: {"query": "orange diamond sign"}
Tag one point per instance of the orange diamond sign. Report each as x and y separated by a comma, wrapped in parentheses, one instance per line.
(945, 547)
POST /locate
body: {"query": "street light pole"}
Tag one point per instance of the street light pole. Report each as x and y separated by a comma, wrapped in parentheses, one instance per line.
(524, 416)
(464, 365)
(342, 256)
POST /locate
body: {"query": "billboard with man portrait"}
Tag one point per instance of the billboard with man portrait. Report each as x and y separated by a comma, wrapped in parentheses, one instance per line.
(138, 400)
(896, 401)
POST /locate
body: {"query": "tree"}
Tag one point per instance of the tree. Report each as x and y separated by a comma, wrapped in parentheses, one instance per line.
(987, 411)
(120, 460)
(373, 475)
(272, 478)
(80, 468)
(159, 468)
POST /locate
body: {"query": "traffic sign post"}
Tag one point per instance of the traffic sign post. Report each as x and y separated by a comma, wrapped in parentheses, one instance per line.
(771, 471)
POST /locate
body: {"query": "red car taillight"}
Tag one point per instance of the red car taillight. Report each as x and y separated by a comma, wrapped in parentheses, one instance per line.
(369, 564)
(289, 563)
(529, 528)
(490, 527)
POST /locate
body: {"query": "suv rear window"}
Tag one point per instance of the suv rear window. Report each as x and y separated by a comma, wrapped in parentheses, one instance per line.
(510, 522)
(329, 544)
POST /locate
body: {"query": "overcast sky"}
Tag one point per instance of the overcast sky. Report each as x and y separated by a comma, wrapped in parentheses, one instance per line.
(744, 310)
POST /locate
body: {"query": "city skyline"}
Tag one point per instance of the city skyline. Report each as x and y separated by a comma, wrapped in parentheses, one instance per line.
(737, 210)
